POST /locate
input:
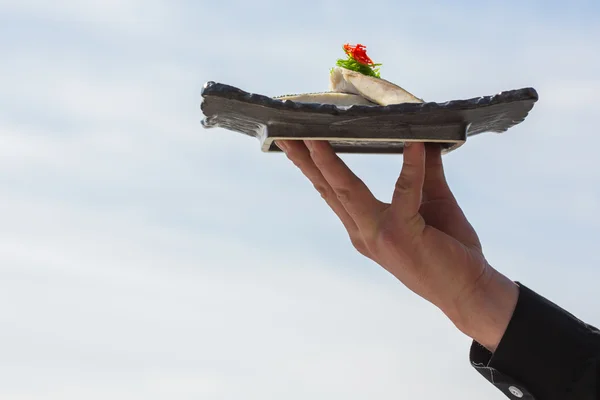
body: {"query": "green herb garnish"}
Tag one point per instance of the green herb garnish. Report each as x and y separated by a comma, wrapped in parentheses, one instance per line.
(358, 61)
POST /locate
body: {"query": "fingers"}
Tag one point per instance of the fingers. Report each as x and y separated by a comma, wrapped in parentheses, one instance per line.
(406, 199)
(297, 152)
(350, 191)
(435, 186)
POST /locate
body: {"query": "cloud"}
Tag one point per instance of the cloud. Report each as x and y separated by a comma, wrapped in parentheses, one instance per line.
(100, 296)
(130, 17)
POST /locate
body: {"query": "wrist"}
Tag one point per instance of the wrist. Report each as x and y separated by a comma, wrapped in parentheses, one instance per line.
(487, 310)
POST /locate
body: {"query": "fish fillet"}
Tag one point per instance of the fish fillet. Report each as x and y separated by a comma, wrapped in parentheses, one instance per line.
(335, 98)
(377, 90)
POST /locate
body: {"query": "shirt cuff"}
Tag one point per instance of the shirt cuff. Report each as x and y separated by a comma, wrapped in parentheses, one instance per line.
(543, 352)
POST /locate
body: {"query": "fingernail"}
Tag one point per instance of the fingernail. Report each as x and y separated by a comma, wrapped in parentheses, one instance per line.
(407, 144)
(309, 144)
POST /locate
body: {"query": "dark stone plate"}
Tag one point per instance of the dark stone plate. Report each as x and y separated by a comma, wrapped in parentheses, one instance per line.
(362, 129)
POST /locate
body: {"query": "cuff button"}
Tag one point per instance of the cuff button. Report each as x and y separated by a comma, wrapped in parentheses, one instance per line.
(515, 391)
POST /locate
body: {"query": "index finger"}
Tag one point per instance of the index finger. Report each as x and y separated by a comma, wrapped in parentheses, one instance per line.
(298, 153)
(352, 192)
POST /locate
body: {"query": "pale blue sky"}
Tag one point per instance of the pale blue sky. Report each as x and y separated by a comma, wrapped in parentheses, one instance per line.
(143, 257)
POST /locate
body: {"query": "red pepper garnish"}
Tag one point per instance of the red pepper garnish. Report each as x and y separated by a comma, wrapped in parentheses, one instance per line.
(359, 53)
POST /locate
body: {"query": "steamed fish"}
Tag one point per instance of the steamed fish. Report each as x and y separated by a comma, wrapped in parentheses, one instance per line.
(337, 98)
(356, 81)
(376, 90)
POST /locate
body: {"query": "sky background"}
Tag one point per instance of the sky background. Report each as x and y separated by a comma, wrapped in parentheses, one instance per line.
(143, 257)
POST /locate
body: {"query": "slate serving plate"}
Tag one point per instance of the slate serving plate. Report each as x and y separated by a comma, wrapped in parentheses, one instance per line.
(362, 129)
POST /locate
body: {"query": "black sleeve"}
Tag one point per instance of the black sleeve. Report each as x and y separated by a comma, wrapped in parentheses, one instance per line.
(546, 353)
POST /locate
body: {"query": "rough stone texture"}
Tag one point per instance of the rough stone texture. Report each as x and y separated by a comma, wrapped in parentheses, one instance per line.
(363, 129)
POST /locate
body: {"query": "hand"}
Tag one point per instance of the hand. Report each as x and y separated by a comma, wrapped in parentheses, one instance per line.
(422, 237)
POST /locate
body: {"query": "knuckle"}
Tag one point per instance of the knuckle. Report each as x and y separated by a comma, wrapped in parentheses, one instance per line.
(359, 245)
(387, 236)
(356, 243)
(343, 195)
(323, 191)
(404, 184)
